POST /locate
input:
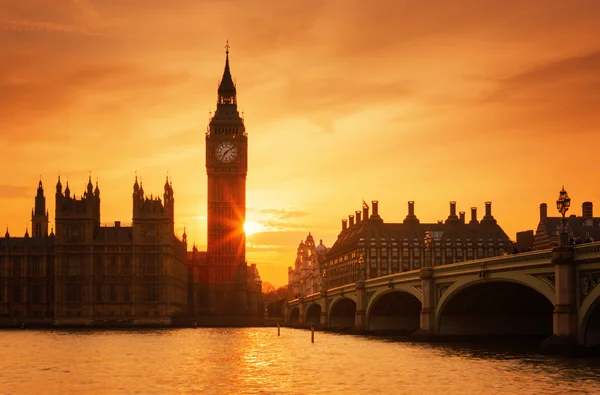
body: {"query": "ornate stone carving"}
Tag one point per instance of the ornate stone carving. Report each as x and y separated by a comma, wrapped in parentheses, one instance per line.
(549, 279)
(440, 289)
(588, 281)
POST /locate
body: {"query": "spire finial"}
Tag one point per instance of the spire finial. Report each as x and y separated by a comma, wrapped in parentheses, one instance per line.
(227, 47)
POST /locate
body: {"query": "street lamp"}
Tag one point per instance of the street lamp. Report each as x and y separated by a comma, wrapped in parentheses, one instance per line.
(562, 205)
(427, 241)
(361, 267)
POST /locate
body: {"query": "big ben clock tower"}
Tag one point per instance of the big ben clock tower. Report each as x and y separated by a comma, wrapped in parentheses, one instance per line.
(226, 167)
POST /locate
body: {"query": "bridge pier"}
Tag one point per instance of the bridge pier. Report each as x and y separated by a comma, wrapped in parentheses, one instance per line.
(564, 339)
(325, 308)
(427, 330)
(302, 315)
(360, 317)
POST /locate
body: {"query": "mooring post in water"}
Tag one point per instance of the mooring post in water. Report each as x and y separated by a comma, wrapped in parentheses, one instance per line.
(278, 329)
(312, 334)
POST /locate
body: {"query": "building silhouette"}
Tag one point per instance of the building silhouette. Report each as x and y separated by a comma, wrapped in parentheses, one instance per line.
(305, 277)
(222, 282)
(90, 274)
(369, 247)
(581, 229)
(141, 273)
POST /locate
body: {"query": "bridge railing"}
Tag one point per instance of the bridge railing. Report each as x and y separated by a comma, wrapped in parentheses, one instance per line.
(525, 259)
(587, 250)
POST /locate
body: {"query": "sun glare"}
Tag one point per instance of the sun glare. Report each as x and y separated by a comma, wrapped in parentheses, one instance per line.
(252, 227)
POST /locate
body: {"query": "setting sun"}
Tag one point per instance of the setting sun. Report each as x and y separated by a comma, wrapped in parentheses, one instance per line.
(252, 227)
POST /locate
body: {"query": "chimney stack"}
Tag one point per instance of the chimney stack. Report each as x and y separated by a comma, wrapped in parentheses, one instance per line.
(474, 216)
(357, 212)
(587, 210)
(462, 217)
(351, 220)
(453, 209)
(375, 208)
(411, 208)
(344, 224)
(365, 212)
(488, 218)
(543, 212)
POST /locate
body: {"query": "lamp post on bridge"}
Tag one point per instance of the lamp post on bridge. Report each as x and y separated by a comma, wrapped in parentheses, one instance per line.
(361, 260)
(361, 267)
(427, 241)
(562, 204)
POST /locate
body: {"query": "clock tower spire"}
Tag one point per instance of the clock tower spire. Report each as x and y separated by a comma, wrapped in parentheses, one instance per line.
(226, 168)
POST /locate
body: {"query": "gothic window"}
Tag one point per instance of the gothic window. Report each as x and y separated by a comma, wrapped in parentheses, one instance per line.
(17, 293)
(151, 293)
(98, 288)
(73, 292)
(98, 266)
(126, 265)
(35, 267)
(151, 265)
(113, 268)
(112, 292)
(73, 266)
(36, 294)
(16, 267)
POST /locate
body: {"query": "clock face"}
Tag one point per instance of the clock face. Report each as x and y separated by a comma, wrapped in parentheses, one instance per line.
(226, 152)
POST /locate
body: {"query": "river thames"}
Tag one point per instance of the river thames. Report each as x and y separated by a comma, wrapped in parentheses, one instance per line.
(257, 361)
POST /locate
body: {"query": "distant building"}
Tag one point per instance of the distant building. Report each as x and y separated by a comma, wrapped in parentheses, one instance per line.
(524, 241)
(389, 248)
(305, 277)
(585, 228)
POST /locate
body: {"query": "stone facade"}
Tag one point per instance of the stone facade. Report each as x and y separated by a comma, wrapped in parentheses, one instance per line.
(305, 277)
(580, 229)
(88, 274)
(388, 248)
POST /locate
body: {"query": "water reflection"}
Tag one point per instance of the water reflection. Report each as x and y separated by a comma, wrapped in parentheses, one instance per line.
(256, 361)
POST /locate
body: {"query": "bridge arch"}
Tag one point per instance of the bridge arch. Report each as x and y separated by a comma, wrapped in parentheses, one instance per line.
(516, 305)
(342, 312)
(313, 314)
(294, 318)
(395, 309)
(589, 325)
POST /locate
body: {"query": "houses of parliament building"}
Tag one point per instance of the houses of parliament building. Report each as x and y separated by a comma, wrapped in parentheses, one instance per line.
(83, 273)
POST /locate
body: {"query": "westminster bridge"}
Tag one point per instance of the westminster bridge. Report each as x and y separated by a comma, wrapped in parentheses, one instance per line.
(551, 292)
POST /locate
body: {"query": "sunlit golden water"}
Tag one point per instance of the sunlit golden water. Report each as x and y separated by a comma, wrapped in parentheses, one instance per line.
(256, 361)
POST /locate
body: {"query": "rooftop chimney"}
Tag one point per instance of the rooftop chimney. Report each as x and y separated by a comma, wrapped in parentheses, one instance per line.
(365, 212)
(452, 215)
(543, 212)
(357, 212)
(411, 213)
(474, 216)
(462, 217)
(351, 220)
(375, 204)
(587, 210)
(344, 224)
(488, 213)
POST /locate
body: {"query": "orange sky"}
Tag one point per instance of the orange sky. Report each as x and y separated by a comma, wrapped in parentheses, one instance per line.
(343, 100)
